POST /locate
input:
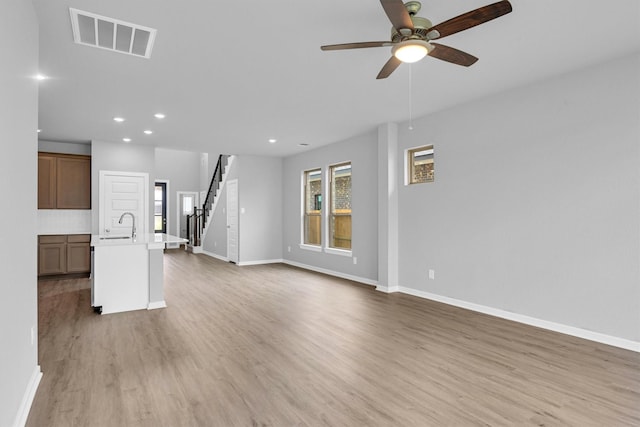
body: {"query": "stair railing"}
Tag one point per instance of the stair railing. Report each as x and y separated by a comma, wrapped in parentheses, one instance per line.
(213, 187)
(198, 220)
(194, 227)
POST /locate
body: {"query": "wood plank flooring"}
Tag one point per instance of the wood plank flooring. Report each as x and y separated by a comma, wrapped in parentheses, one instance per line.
(275, 345)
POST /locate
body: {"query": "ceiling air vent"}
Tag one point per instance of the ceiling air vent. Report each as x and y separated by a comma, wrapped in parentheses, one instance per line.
(111, 34)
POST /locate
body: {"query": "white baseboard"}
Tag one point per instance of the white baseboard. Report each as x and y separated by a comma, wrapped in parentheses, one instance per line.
(388, 289)
(259, 262)
(156, 304)
(332, 273)
(212, 255)
(197, 249)
(27, 399)
(243, 263)
(532, 321)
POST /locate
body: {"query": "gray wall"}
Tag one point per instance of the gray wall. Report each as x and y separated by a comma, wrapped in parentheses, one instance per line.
(64, 147)
(215, 241)
(18, 173)
(534, 209)
(260, 197)
(205, 179)
(362, 151)
(182, 170)
(260, 211)
(123, 158)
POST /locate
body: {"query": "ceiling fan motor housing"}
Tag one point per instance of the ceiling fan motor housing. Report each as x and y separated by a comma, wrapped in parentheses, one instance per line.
(420, 27)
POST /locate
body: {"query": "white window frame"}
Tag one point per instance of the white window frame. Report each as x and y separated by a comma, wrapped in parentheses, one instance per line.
(327, 214)
(408, 166)
(303, 186)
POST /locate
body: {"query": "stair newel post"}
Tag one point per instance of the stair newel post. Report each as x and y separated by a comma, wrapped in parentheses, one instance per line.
(197, 230)
(189, 229)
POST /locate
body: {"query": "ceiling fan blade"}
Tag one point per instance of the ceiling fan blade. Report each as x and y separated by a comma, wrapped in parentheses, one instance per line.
(398, 15)
(389, 67)
(358, 45)
(471, 19)
(452, 55)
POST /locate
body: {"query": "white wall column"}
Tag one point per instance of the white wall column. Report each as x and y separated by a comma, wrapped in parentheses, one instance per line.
(388, 207)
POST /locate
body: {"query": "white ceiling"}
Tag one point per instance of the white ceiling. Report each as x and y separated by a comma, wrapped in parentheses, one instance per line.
(231, 75)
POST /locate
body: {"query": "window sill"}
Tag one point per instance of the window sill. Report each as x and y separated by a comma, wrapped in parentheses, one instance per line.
(310, 247)
(341, 252)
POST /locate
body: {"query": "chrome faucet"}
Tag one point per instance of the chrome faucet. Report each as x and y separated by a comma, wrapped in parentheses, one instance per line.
(133, 219)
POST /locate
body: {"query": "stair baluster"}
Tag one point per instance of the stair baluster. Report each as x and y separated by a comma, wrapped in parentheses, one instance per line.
(197, 221)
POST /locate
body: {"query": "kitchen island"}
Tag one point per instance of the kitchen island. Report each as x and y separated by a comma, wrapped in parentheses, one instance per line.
(127, 273)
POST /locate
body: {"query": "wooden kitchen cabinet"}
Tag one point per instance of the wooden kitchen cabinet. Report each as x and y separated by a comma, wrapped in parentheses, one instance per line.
(52, 255)
(46, 181)
(78, 253)
(64, 254)
(64, 181)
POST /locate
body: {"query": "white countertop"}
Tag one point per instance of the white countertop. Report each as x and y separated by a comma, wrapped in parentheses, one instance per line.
(155, 241)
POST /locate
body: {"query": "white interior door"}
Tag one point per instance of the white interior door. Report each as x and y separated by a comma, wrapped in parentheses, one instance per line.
(122, 192)
(232, 220)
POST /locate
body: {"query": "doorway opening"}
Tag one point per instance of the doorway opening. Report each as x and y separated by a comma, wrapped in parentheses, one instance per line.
(187, 203)
(160, 207)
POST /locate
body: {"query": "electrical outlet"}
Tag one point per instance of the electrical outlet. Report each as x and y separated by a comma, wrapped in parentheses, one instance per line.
(215, 244)
(288, 248)
(355, 260)
(432, 274)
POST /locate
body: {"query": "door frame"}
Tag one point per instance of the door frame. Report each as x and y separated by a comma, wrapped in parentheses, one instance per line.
(167, 196)
(145, 197)
(237, 257)
(196, 203)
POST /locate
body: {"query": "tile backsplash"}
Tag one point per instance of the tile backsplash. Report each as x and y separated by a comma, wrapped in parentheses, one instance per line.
(64, 221)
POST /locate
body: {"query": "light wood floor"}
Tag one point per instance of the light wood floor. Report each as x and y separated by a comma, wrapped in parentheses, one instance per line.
(279, 346)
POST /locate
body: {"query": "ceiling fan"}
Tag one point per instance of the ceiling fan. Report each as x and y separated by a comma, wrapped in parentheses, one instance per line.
(411, 35)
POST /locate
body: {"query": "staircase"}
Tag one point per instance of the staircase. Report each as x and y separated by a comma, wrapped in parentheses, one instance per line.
(199, 221)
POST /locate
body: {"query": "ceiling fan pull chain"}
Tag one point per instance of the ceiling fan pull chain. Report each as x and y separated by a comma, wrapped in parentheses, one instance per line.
(410, 99)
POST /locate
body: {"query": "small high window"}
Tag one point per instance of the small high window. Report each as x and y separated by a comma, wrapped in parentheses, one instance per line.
(312, 207)
(420, 165)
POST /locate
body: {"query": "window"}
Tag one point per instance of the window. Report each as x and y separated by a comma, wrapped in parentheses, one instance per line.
(312, 207)
(187, 205)
(420, 165)
(340, 206)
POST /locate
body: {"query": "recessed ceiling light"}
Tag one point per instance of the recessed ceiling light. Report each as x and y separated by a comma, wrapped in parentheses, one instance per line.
(272, 141)
(126, 139)
(40, 77)
(118, 119)
(159, 116)
(148, 132)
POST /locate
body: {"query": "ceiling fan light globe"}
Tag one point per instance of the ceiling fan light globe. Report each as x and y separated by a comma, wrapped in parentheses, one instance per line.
(411, 50)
